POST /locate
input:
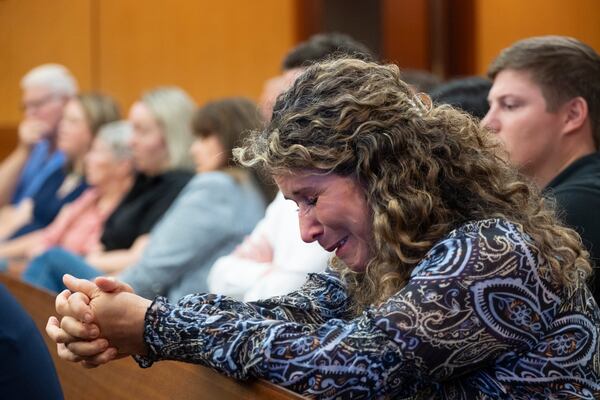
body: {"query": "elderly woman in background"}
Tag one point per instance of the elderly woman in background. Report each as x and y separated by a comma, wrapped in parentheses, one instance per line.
(77, 228)
(451, 279)
(83, 116)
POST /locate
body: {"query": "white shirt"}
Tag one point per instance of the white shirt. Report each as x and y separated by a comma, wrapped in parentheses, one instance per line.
(249, 280)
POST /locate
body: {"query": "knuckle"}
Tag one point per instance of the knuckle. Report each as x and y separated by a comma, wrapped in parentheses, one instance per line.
(66, 354)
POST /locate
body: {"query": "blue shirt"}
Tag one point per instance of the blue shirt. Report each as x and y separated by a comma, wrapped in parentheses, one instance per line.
(41, 164)
(47, 202)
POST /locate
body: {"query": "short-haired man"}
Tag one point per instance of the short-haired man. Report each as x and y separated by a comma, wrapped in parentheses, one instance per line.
(317, 48)
(46, 90)
(545, 108)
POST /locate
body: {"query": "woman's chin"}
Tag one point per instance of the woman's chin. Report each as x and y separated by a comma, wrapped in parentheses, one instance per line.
(358, 270)
(356, 267)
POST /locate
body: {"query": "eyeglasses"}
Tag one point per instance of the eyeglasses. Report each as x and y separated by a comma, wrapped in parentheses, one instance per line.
(38, 103)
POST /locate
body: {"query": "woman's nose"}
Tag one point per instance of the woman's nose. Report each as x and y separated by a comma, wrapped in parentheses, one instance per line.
(310, 228)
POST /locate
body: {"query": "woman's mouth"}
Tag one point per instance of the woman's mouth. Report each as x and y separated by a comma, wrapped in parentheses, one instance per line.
(341, 246)
(337, 247)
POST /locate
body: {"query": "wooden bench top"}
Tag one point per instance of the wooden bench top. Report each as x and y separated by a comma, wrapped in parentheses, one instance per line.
(123, 379)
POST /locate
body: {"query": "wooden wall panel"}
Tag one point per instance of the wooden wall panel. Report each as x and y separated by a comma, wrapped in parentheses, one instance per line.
(498, 23)
(33, 32)
(210, 48)
(122, 47)
(8, 139)
(309, 18)
(459, 43)
(406, 33)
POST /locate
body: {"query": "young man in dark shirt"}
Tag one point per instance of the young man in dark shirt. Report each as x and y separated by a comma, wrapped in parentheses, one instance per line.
(545, 108)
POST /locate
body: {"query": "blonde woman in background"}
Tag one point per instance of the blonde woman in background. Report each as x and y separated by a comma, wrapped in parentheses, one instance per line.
(161, 123)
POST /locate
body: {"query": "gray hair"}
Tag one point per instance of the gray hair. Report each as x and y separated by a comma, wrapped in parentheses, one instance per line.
(116, 136)
(57, 78)
(173, 108)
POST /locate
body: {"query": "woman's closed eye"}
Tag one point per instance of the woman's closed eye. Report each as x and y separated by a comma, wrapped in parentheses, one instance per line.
(305, 205)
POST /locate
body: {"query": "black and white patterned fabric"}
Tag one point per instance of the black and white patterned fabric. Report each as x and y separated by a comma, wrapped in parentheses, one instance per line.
(480, 318)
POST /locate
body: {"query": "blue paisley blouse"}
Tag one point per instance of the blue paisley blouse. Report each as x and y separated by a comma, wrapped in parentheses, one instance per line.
(480, 318)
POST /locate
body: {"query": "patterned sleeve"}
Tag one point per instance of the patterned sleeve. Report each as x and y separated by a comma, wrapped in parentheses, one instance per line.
(321, 298)
(454, 316)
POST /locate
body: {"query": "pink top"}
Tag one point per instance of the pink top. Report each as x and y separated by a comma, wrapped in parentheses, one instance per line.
(78, 226)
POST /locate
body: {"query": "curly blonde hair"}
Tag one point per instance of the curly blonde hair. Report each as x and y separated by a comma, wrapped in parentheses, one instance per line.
(425, 170)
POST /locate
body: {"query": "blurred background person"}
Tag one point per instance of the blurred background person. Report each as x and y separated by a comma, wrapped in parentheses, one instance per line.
(160, 142)
(46, 90)
(79, 225)
(83, 115)
(316, 48)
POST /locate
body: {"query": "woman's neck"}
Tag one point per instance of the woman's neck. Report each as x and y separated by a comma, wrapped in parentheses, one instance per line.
(113, 192)
(158, 170)
(240, 175)
(76, 167)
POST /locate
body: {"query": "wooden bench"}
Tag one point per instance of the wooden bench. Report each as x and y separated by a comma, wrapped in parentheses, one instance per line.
(123, 379)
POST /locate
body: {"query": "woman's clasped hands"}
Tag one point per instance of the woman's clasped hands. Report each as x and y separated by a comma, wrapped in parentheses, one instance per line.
(99, 321)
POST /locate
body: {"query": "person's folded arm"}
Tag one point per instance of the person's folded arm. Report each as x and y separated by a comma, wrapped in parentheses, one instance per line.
(114, 261)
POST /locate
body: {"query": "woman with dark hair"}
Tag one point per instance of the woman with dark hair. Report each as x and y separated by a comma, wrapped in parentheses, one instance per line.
(451, 278)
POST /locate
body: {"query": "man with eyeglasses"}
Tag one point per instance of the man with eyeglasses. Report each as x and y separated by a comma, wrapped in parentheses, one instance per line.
(46, 90)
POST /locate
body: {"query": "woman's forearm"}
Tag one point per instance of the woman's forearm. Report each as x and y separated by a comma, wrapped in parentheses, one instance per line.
(19, 247)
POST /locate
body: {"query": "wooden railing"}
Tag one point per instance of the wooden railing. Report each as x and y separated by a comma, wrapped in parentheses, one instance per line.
(123, 379)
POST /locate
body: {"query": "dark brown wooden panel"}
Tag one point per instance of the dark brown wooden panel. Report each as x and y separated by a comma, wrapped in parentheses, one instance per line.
(8, 140)
(406, 33)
